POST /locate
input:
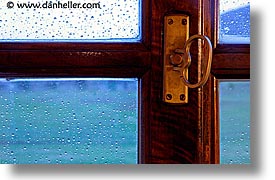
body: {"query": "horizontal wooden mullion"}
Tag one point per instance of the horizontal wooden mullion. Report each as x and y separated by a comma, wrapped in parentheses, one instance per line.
(123, 72)
(231, 66)
(232, 48)
(231, 61)
(42, 59)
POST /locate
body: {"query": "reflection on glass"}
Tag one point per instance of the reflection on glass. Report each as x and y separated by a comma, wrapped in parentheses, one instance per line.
(234, 22)
(63, 20)
(234, 122)
(68, 121)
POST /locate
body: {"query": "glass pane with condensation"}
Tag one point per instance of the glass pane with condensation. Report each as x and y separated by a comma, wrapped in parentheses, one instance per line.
(68, 121)
(234, 22)
(234, 122)
(62, 20)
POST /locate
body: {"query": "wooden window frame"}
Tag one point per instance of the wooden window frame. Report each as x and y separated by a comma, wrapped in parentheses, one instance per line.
(88, 59)
(230, 62)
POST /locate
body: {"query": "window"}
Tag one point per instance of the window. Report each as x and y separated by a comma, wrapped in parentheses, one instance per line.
(63, 21)
(68, 121)
(235, 122)
(234, 23)
(77, 66)
(231, 73)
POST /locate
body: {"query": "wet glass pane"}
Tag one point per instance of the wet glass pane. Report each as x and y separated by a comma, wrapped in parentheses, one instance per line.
(63, 20)
(68, 121)
(234, 122)
(234, 22)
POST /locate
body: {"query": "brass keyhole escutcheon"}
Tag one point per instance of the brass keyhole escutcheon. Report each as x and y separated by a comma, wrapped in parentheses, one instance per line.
(176, 33)
(177, 59)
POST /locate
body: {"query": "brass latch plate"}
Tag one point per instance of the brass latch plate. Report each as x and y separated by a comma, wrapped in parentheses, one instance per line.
(176, 33)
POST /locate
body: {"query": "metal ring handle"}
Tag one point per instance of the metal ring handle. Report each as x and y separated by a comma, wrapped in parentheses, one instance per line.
(209, 62)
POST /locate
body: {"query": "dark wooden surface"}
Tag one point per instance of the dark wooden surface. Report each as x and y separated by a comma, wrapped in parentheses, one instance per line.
(174, 135)
(167, 133)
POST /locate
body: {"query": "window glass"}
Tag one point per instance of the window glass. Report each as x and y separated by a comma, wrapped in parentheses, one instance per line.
(62, 20)
(68, 121)
(234, 122)
(234, 22)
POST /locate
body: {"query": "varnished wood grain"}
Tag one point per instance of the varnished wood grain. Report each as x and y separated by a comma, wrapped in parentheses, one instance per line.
(52, 59)
(173, 128)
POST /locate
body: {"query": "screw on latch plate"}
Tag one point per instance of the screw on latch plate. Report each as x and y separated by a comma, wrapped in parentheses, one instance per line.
(182, 97)
(183, 21)
(170, 21)
(169, 96)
